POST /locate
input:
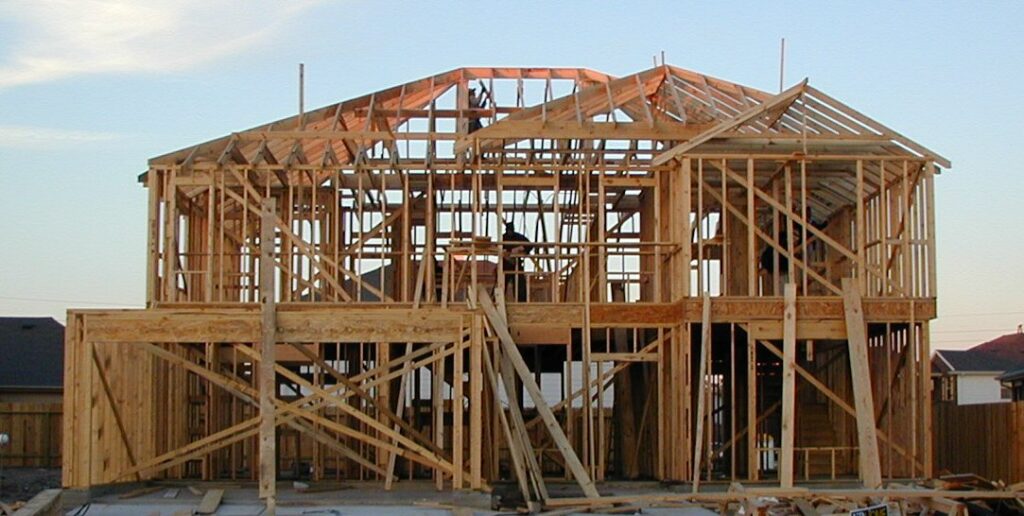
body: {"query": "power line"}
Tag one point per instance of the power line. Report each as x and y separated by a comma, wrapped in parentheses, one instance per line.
(980, 330)
(940, 316)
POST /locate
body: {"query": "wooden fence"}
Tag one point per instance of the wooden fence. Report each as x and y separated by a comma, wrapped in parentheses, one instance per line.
(987, 440)
(35, 431)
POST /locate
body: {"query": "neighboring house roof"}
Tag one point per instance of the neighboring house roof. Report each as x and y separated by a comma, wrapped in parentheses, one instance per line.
(970, 361)
(1012, 376)
(998, 355)
(32, 351)
(1008, 347)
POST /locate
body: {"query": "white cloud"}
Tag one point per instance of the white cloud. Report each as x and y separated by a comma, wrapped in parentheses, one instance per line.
(20, 136)
(56, 39)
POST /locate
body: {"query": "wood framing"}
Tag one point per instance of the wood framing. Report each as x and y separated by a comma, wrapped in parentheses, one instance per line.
(524, 274)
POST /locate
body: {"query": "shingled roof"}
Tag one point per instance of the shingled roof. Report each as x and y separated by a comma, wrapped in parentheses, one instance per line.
(972, 361)
(33, 353)
(1005, 353)
(1009, 348)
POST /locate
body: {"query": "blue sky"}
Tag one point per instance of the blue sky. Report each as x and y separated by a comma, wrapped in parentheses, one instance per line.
(89, 90)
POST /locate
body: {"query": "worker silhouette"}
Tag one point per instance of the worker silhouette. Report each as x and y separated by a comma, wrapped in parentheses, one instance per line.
(475, 102)
(767, 264)
(514, 248)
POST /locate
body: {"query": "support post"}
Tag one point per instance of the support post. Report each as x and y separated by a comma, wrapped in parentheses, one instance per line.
(702, 390)
(268, 339)
(476, 403)
(788, 385)
(752, 455)
(682, 206)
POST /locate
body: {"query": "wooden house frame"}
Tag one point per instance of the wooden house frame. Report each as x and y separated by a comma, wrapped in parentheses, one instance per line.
(715, 269)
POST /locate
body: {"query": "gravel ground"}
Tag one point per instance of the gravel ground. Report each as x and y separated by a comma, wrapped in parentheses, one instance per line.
(21, 484)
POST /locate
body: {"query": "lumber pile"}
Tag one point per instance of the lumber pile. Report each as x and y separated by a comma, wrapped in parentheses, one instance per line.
(960, 495)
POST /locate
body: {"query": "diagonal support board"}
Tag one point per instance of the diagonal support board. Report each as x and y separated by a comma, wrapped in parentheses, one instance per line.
(108, 392)
(524, 446)
(359, 392)
(515, 453)
(512, 352)
(240, 431)
(856, 334)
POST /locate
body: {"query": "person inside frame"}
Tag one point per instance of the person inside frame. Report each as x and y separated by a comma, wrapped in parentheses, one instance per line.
(515, 247)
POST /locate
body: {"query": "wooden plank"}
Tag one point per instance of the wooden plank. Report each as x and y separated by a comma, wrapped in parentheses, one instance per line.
(268, 343)
(629, 182)
(515, 452)
(173, 326)
(457, 405)
(788, 387)
(860, 372)
(476, 401)
(702, 391)
(751, 257)
(550, 422)
(624, 357)
(805, 329)
(522, 437)
(633, 315)
(683, 228)
(330, 322)
(210, 502)
(392, 325)
(752, 420)
(928, 422)
(796, 492)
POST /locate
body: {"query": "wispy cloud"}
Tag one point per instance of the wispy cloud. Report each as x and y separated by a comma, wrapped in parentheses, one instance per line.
(56, 39)
(20, 136)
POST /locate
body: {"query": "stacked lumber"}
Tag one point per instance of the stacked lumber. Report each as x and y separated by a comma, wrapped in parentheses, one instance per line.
(961, 495)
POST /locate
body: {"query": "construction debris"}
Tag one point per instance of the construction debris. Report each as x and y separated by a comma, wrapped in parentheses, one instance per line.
(901, 499)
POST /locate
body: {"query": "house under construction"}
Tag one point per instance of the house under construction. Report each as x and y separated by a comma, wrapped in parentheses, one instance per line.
(708, 283)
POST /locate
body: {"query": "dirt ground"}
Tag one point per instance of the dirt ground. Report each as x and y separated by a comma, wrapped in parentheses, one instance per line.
(21, 484)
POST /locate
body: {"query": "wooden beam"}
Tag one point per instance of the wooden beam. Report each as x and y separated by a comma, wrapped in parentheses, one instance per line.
(268, 343)
(702, 391)
(788, 386)
(752, 419)
(860, 372)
